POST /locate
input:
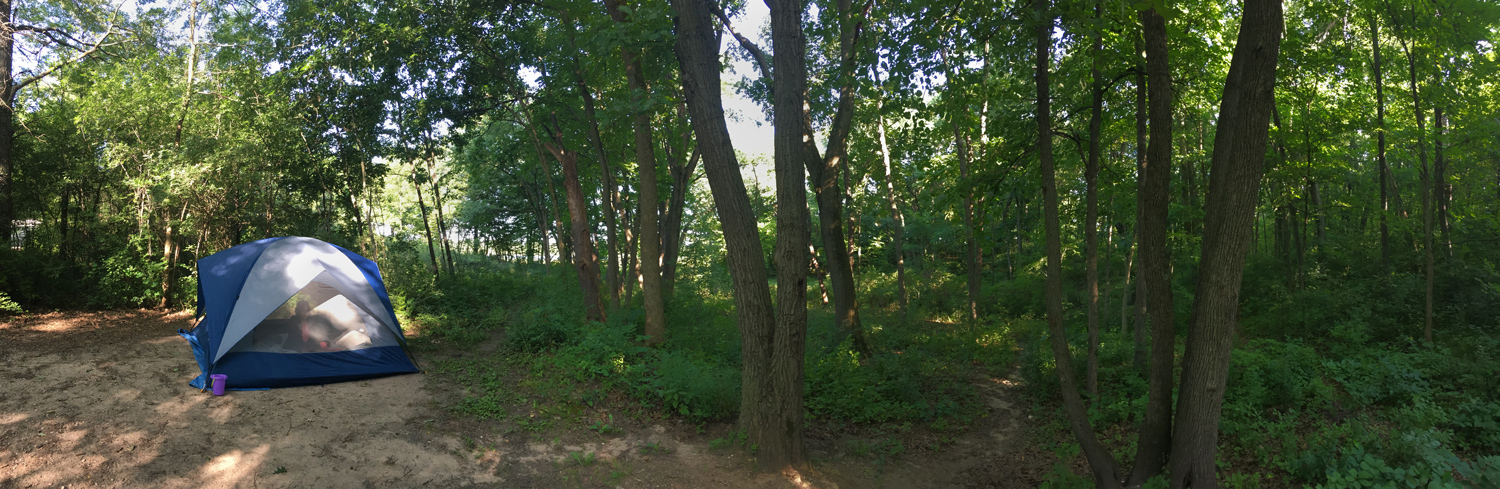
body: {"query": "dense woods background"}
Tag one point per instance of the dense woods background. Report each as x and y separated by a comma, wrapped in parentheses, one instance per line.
(1108, 196)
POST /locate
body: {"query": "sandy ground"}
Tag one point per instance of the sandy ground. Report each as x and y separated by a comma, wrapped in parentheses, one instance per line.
(101, 400)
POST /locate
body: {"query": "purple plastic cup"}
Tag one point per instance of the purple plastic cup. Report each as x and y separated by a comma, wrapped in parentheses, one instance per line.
(218, 381)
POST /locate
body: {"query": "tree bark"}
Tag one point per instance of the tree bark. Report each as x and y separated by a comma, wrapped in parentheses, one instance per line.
(1440, 191)
(823, 172)
(1234, 186)
(645, 156)
(672, 230)
(1100, 460)
(1385, 239)
(585, 261)
(698, 56)
(899, 221)
(7, 121)
(971, 252)
(610, 194)
(773, 363)
(437, 204)
(1156, 280)
(1091, 214)
(426, 227)
(1423, 193)
(1141, 338)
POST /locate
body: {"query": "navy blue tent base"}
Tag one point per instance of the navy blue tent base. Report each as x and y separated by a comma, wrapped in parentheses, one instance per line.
(260, 370)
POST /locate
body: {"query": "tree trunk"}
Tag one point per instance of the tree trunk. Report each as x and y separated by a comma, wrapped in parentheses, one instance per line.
(1441, 194)
(1234, 186)
(632, 252)
(1423, 193)
(1141, 350)
(1385, 238)
(427, 228)
(773, 359)
(1156, 265)
(672, 230)
(971, 253)
(698, 56)
(437, 203)
(645, 156)
(823, 172)
(170, 249)
(1091, 214)
(1100, 460)
(585, 261)
(899, 221)
(7, 121)
(610, 194)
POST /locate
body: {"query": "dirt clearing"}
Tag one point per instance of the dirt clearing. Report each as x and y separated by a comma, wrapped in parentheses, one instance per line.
(101, 400)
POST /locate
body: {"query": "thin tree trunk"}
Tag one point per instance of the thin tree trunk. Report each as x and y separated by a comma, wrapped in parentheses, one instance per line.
(1091, 214)
(823, 172)
(1385, 238)
(1441, 194)
(672, 229)
(427, 228)
(437, 204)
(971, 254)
(1156, 280)
(7, 121)
(1100, 460)
(899, 220)
(170, 249)
(1139, 332)
(585, 261)
(632, 253)
(187, 93)
(1423, 193)
(1234, 186)
(610, 194)
(645, 156)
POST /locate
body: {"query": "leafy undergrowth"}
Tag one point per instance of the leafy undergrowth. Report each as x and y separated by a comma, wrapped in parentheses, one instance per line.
(552, 366)
(1341, 401)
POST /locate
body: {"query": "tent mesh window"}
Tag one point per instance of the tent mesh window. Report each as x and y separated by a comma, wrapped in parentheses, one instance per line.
(318, 318)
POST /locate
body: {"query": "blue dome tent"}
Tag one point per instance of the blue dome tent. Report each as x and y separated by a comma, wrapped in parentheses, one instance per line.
(292, 311)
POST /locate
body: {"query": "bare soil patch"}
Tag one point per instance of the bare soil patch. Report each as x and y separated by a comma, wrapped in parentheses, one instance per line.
(100, 399)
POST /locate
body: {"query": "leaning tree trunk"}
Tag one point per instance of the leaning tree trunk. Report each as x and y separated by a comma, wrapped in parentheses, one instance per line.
(698, 56)
(437, 204)
(1156, 280)
(585, 261)
(610, 194)
(823, 171)
(1100, 460)
(1234, 186)
(422, 206)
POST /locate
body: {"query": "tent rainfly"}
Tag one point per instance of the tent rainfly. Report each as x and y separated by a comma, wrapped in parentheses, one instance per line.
(291, 311)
